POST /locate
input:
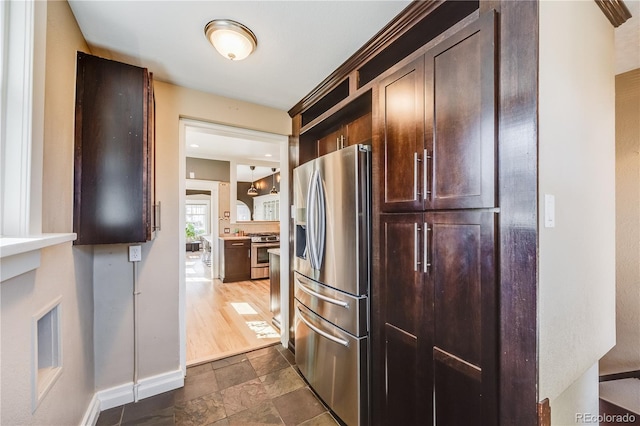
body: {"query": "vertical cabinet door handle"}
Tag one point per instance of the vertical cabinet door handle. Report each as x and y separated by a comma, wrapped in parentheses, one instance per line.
(415, 176)
(425, 261)
(416, 248)
(425, 179)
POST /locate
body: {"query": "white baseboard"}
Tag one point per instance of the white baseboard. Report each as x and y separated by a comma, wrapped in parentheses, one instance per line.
(161, 383)
(147, 387)
(93, 411)
(115, 396)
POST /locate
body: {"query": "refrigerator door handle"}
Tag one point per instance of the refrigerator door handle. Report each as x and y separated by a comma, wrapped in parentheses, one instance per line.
(309, 223)
(327, 299)
(324, 334)
(321, 218)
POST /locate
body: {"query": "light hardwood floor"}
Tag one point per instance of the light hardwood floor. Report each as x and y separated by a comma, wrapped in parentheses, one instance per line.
(224, 319)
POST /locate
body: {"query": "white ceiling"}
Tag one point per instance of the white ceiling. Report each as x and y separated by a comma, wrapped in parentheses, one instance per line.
(627, 38)
(299, 44)
(240, 146)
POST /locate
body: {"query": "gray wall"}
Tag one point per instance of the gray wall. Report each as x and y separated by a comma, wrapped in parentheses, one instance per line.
(208, 169)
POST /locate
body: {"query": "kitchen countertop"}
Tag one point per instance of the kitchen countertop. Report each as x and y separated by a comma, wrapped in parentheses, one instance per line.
(233, 237)
(275, 251)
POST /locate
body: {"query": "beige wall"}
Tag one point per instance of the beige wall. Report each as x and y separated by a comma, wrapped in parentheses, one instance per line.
(65, 272)
(576, 297)
(625, 356)
(160, 268)
(205, 169)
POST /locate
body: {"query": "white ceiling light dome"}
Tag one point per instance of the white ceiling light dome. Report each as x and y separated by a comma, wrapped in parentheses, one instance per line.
(231, 39)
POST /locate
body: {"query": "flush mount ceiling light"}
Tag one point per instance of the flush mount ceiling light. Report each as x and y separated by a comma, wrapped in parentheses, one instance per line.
(231, 39)
(252, 190)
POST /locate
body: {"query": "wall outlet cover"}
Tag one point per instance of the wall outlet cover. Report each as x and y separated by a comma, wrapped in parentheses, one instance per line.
(135, 253)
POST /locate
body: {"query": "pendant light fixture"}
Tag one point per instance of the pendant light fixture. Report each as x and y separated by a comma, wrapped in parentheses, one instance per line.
(252, 190)
(273, 190)
(231, 39)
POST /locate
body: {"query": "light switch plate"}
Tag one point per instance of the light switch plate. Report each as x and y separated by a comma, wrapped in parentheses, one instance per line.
(549, 211)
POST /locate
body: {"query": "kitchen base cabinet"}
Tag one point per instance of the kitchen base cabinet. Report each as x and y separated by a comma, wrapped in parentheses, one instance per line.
(402, 363)
(235, 260)
(437, 296)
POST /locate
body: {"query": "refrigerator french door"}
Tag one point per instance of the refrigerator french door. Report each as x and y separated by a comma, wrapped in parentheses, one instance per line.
(332, 198)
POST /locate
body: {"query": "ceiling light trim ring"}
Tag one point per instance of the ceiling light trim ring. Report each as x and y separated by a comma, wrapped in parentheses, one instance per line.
(235, 28)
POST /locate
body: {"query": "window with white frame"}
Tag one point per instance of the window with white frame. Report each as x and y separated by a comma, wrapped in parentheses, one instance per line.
(197, 214)
(22, 53)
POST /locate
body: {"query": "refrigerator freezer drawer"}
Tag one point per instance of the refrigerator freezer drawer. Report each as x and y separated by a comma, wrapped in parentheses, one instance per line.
(341, 309)
(335, 365)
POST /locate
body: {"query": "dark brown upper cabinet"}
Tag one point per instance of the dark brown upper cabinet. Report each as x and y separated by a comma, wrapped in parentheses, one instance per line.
(437, 126)
(347, 123)
(114, 170)
(402, 136)
(352, 133)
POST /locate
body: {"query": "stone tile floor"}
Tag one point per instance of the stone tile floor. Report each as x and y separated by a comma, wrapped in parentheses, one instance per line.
(256, 388)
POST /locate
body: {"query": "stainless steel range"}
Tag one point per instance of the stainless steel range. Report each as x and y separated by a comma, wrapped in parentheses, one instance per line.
(260, 243)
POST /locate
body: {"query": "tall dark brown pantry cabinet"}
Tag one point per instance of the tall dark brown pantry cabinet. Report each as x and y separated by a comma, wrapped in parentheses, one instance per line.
(114, 153)
(435, 150)
(451, 89)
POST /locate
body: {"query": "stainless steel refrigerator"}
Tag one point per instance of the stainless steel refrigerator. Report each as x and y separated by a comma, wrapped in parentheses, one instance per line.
(332, 198)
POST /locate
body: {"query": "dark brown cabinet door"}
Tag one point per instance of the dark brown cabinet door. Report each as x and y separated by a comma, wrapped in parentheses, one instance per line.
(352, 133)
(329, 143)
(401, 387)
(113, 154)
(461, 276)
(460, 130)
(358, 131)
(237, 261)
(401, 139)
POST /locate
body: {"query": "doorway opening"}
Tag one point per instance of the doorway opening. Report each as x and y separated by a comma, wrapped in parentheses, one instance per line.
(222, 314)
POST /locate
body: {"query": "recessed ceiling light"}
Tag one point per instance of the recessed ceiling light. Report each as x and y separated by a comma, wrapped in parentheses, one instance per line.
(194, 145)
(268, 155)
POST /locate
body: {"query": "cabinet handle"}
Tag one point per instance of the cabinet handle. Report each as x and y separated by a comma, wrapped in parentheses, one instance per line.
(249, 253)
(425, 260)
(338, 143)
(416, 262)
(341, 141)
(157, 223)
(237, 244)
(426, 157)
(415, 176)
